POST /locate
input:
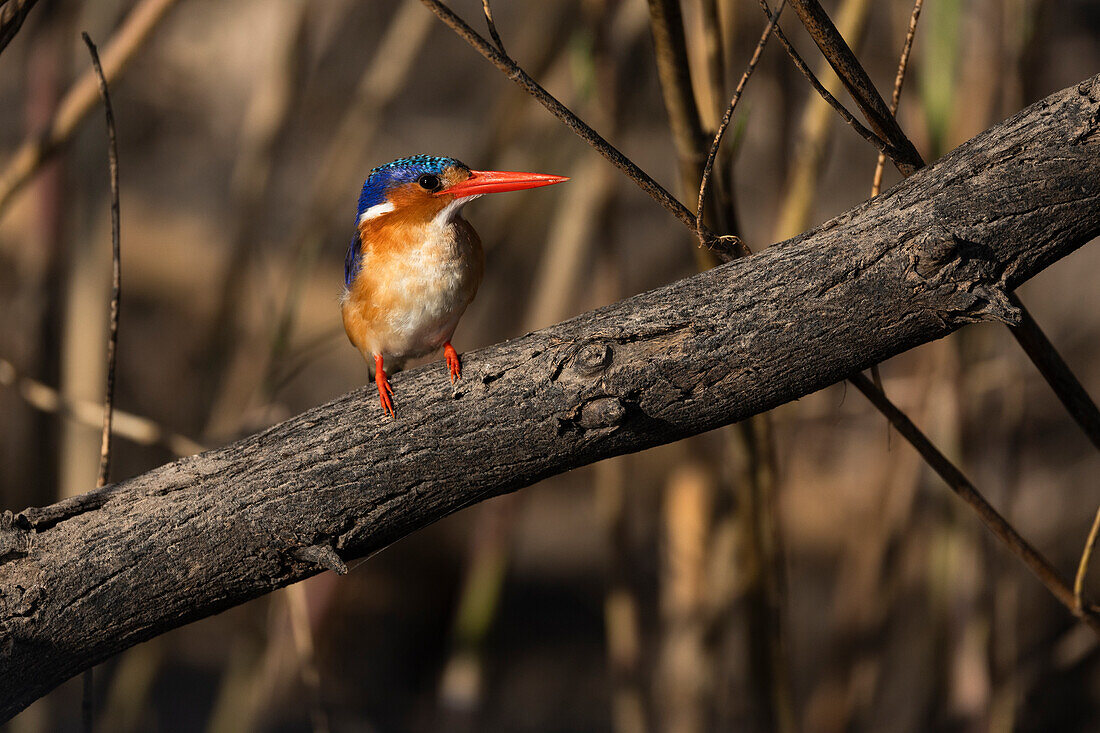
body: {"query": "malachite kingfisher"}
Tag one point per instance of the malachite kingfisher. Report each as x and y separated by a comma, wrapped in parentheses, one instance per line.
(414, 263)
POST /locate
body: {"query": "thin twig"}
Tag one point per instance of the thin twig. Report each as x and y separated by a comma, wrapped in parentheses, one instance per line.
(87, 707)
(1056, 372)
(709, 165)
(881, 145)
(855, 79)
(492, 26)
(1047, 574)
(899, 81)
(116, 270)
(1083, 565)
(514, 72)
(79, 100)
(12, 15)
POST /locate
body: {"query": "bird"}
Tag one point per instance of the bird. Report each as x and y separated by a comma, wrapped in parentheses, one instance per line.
(414, 263)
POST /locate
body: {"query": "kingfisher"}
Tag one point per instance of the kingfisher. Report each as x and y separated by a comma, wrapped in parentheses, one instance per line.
(414, 263)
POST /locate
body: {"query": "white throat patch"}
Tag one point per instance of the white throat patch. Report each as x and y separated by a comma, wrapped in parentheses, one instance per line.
(451, 211)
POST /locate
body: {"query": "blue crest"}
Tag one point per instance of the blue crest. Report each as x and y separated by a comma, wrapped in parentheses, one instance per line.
(400, 172)
(379, 181)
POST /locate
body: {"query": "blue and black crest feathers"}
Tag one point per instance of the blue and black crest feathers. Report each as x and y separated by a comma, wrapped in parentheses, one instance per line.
(399, 172)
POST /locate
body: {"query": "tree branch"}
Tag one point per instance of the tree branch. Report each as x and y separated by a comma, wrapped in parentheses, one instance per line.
(88, 577)
(858, 83)
(12, 15)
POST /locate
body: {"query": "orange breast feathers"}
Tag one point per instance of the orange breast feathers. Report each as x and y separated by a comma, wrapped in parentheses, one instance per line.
(421, 266)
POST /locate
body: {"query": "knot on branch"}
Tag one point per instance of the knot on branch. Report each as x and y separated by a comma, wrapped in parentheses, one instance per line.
(322, 555)
(726, 246)
(964, 278)
(15, 539)
(602, 412)
(1088, 131)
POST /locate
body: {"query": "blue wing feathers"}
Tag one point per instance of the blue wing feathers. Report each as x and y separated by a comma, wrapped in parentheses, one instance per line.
(352, 260)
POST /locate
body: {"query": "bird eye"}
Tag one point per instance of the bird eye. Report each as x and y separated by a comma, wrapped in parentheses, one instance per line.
(428, 182)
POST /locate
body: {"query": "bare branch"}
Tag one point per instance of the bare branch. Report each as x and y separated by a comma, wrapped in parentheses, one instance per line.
(1070, 392)
(879, 144)
(1047, 574)
(857, 82)
(12, 15)
(492, 26)
(116, 269)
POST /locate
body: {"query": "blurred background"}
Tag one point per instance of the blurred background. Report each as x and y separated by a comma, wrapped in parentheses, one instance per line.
(803, 571)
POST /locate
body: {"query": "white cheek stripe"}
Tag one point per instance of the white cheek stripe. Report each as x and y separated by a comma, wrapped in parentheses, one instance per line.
(376, 211)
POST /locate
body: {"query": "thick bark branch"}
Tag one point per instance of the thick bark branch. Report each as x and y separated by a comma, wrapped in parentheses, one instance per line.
(86, 578)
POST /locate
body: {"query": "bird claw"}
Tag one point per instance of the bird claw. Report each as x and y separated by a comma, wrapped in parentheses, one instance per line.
(385, 391)
(453, 364)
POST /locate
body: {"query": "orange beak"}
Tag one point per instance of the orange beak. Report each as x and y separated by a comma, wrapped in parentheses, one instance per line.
(481, 182)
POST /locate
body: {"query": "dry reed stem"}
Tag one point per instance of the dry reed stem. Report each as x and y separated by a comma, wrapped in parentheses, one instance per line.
(78, 101)
(1083, 565)
(685, 116)
(297, 605)
(899, 81)
(671, 56)
(708, 167)
(135, 428)
(621, 611)
(685, 668)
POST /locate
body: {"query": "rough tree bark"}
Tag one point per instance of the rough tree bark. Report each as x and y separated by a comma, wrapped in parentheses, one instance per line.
(86, 578)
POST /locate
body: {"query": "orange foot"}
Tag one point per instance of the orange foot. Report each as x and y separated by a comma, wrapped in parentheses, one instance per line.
(453, 363)
(385, 391)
